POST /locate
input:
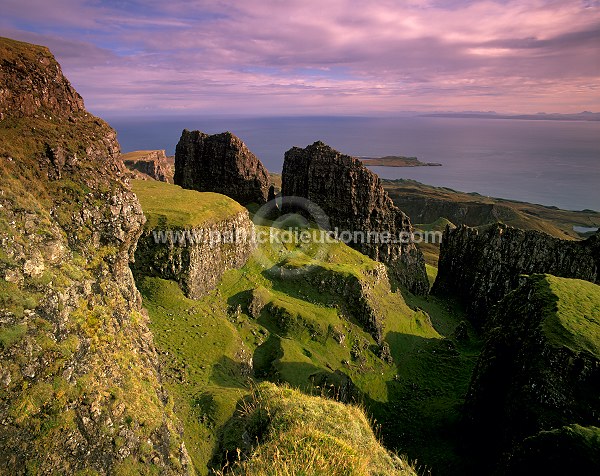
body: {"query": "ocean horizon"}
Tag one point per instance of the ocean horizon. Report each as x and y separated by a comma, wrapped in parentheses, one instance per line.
(552, 163)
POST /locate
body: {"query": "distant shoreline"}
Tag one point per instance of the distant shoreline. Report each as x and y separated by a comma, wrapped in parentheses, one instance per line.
(581, 117)
(396, 161)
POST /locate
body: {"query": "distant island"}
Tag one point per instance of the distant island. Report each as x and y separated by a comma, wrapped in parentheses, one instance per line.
(540, 116)
(396, 161)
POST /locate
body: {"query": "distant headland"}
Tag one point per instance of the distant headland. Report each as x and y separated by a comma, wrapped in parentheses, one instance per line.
(396, 161)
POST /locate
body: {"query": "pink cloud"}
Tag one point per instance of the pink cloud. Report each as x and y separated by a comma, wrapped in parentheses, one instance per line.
(339, 56)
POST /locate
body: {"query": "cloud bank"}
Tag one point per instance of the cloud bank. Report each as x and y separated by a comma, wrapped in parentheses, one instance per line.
(279, 57)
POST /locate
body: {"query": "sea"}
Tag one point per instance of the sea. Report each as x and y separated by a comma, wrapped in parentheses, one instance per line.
(553, 163)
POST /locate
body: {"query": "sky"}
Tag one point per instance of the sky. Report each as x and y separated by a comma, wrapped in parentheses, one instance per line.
(319, 57)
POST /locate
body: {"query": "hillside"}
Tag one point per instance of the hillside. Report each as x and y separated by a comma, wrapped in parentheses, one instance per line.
(81, 389)
(150, 329)
(336, 439)
(426, 204)
(323, 319)
(534, 391)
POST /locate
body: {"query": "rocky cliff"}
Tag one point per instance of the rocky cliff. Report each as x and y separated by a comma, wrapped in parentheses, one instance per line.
(481, 267)
(354, 200)
(220, 163)
(538, 373)
(149, 164)
(194, 249)
(79, 383)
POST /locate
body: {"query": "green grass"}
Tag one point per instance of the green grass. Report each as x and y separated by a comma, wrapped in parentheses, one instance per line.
(431, 273)
(297, 434)
(169, 206)
(572, 449)
(573, 314)
(307, 335)
(438, 225)
(199, 347)
(11, 335)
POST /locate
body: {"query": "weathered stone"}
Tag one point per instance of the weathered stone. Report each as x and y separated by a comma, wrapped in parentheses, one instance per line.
(481, 267)
(220, 163)
(197, 264)
(70, 242)
(147, 164)
(538, 370)
(354, 200)
(37, 87)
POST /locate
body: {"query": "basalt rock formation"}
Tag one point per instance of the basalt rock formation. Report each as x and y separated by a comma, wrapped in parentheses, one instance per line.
(80, 387)
(220, 163)
(149, 164)
(198, 256)
(538, 374)
(353, 199)
(481, 267)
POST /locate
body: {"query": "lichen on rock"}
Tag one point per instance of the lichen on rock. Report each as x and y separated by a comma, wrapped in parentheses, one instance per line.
(80, 384)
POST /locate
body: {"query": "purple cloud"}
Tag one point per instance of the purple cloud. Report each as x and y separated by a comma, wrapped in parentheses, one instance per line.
(339, 56)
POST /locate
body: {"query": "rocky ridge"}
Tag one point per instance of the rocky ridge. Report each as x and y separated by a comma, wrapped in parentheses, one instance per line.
(220, 163)
(32, 84)
(353, 199)
(80, 386)
(149, 164)
(482, 266)
(197, 264)
(538, 373)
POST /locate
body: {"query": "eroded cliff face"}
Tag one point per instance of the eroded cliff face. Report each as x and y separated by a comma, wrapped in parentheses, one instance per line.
(149, 164)
(220, 163)
(198, 259)
(354, 200)
(539, 372)
(481, 267)
(79, 381)
(32, 84)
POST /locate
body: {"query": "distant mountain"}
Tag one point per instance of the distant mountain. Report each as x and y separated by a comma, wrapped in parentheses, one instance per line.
(540, 116)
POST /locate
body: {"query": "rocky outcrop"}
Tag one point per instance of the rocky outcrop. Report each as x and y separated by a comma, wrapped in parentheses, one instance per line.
(79, 383)
(423, 209)
(539, 371)
(149, 164)
(354, 201)
(358, 293)
(220, 163)
(481, 267)
(197, 257)
(32, 84)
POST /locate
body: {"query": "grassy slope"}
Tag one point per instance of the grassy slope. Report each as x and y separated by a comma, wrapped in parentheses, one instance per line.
(336, 439)
(171, 206)
(101, 347)
(207, 344)
(574, 321)
(528, 216)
